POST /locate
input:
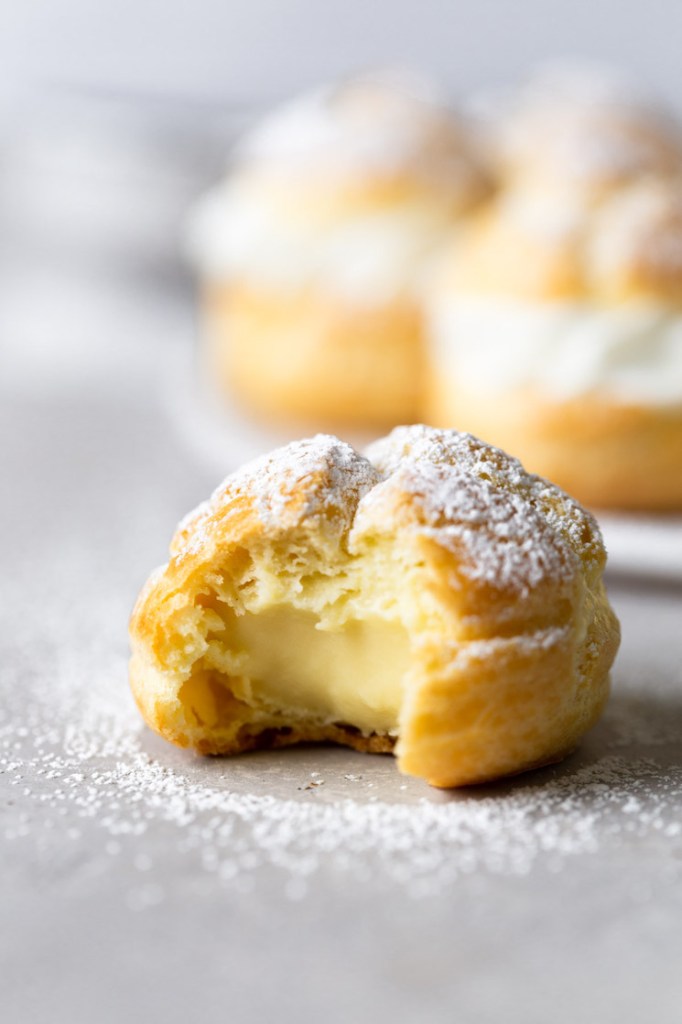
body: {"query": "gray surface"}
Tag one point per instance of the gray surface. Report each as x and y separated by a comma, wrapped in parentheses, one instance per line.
(95, 931)
(141, 883)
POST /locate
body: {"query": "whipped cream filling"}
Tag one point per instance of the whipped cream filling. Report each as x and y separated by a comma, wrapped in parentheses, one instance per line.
(566, 350)
(369, 258)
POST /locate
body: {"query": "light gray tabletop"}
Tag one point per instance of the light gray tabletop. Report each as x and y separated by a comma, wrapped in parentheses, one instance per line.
(141, 883)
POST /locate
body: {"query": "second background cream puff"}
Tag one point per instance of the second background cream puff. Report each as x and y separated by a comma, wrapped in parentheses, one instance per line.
(311, 252)
(556, 319)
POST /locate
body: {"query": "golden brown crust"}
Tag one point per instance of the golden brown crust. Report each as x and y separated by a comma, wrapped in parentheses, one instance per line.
(458, 726)
(495, 575)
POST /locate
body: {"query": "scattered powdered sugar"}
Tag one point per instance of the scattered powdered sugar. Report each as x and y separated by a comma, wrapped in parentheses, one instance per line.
(82, 770)
(87, 761)
(86, 789)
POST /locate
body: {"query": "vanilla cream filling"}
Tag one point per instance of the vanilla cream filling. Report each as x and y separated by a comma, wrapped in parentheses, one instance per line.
(293, 666)
(292, 645)
(369, 258)
(632, 352)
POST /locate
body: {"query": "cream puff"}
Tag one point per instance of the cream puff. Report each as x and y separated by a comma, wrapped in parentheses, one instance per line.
(555, 322)
(311, 251)
(428, 597)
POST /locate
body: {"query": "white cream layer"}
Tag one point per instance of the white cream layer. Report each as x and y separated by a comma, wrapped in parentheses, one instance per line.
(370, 259)
(566, 350)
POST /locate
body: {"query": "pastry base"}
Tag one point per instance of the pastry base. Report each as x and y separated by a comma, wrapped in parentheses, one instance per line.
(309, 357)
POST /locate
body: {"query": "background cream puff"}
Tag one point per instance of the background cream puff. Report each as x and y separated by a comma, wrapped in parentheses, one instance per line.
(555, 322)
(312, 250)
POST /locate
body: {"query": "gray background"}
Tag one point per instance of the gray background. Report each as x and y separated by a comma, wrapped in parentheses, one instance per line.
(221, 50)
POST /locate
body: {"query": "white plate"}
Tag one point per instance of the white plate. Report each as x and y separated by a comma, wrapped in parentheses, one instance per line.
(641, 545)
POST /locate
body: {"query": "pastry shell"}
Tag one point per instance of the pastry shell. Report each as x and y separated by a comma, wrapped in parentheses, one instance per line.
(492, 577)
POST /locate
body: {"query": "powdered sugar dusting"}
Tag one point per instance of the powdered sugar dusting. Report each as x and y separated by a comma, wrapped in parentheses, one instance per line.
(513, 529)
(318, 479)
(510, 529)
(328, 474)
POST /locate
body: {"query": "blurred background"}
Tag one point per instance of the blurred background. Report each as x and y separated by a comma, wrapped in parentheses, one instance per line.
(208, 51)
(114, 116)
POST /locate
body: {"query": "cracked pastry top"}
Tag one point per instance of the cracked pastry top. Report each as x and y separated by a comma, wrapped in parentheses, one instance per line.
(428, 597)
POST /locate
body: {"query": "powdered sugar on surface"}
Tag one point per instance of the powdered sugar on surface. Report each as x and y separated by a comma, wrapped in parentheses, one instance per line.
(99, 770)
(75, 755)
(84, 787)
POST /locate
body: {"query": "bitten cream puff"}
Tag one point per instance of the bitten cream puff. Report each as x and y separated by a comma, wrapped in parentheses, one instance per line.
(429, 597)
(555, 323)
(311, 252)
